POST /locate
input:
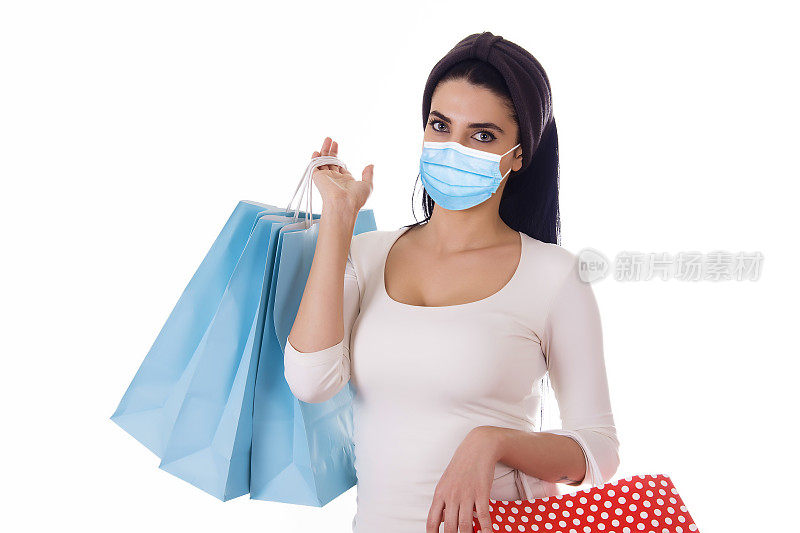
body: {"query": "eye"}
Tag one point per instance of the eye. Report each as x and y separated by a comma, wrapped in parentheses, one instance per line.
(491, 136)
(433, 123)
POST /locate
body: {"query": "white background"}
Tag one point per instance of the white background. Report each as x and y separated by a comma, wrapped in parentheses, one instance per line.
(129, 130)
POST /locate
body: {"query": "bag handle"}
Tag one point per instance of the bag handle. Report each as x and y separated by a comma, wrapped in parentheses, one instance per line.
(306, 187)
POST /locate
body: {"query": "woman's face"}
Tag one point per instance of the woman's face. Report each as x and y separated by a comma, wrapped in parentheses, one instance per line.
(475, 117)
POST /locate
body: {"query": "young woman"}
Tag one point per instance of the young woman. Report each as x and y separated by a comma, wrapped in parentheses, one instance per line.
(444, 327)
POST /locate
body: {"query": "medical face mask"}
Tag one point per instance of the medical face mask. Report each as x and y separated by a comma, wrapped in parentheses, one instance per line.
(458, 177)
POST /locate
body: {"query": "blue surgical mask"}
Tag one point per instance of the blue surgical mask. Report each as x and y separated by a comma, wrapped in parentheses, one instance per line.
(458, 177)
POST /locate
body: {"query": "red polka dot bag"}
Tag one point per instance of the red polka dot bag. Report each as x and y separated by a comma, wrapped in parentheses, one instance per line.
(644, 503)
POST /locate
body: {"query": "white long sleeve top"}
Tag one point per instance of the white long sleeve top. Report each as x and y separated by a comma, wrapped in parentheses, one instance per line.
(423, 377)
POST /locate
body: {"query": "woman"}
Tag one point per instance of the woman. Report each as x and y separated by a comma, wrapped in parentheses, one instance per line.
(445, 326)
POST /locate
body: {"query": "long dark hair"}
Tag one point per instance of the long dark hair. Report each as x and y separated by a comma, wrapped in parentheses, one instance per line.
(530, 198)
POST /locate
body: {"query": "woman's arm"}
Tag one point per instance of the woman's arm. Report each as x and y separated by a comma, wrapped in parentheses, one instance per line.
(552, 458)
(586, 448)
(319, 321)
(573, 349)
(316, 357)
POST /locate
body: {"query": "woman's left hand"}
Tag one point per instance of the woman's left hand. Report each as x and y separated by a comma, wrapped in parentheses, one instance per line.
(466, 484)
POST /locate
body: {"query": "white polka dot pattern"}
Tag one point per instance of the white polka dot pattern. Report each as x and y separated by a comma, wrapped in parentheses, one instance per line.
(644, 503)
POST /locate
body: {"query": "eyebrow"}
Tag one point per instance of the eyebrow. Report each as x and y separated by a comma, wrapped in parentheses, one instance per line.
(490, 125)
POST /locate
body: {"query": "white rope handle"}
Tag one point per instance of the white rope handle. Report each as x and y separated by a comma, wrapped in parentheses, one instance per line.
(306, 186)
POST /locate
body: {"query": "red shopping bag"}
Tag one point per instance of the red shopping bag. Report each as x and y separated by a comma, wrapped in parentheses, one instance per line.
(645, 503)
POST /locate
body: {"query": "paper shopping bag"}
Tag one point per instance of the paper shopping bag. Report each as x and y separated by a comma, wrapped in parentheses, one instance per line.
(638, 503)
(302, 453)
(149, 406)
(191, 401)
(209, 445)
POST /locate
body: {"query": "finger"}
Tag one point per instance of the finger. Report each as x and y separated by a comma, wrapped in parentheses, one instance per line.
(326, 148)
(451, 517)
(434, 516)
(465, 515)
(330, 153)
(367, 173)
(335, 153)
(482, 510)
(315, 154)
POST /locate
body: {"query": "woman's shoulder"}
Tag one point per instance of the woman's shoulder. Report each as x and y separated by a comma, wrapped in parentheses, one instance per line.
(368, 250)
(370, 243)
(366, 256)
(549, 261)
(550, 269)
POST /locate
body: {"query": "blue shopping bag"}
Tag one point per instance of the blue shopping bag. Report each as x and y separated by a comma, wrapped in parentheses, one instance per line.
(209, 445)
(192, 400)
(302, 453)
(150, 405)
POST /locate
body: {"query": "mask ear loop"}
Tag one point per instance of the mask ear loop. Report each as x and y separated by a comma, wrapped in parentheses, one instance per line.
(502, 156)
(305, 187)
(512, 148)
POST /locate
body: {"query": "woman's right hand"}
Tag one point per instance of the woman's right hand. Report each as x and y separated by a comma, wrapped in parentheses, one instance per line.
(336, 185)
